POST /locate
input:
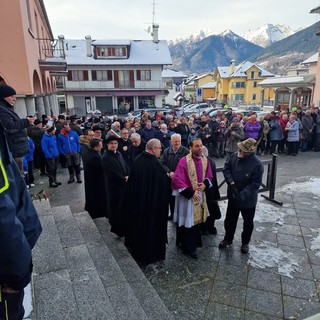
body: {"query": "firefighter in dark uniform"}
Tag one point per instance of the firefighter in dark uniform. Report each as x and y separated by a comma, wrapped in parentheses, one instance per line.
(20, 228)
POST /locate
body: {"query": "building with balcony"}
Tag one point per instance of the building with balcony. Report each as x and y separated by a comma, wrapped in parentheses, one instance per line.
(240, 84)
(297, 88)
(316, 93)
(30, 57)
(110, 75)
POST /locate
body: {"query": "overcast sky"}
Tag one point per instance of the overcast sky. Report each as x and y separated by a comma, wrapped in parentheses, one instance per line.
(126, 19)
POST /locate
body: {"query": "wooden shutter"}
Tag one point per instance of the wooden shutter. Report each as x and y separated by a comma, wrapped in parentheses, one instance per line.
(138, 75)
(69, 75)
(85, 75)
(109, 75)
(131, 77)
(116, 78)
(94, 75)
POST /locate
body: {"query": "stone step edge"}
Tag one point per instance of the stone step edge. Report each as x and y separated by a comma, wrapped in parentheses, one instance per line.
(148, 297)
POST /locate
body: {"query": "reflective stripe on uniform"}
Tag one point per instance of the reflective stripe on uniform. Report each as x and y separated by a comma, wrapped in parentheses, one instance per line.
(4, 183)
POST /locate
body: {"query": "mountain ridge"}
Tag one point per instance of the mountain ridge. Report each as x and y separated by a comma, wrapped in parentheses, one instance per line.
(205, 53)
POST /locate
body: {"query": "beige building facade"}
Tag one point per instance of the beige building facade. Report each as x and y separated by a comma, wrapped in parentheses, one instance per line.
(30, 58)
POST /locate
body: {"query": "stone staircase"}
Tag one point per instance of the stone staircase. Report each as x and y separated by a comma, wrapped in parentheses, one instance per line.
(82, 271)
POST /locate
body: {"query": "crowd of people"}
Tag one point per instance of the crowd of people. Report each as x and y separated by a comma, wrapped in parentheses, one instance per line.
(141, 172)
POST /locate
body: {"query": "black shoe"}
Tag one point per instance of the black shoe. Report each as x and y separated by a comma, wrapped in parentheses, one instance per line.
(71, 180)
(193, 255)
(79, 179)
(53, 185)
(213, 230)
(224, 243)
(58, 183)
(244, 248)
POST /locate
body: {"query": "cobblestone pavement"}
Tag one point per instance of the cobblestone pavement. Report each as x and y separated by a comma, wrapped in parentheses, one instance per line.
(278, 279)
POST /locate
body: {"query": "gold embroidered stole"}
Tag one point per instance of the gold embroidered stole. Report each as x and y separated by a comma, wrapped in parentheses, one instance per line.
(200, 213)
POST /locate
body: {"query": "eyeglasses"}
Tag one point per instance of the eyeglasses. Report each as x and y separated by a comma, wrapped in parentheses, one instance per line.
(157, 147)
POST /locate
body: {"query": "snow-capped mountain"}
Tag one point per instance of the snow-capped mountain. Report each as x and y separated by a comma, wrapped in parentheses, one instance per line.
(268, 34)
(196, 37)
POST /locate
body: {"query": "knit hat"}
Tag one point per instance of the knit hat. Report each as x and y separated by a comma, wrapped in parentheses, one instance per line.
(249, 145)
(50, 127)
(6, 91)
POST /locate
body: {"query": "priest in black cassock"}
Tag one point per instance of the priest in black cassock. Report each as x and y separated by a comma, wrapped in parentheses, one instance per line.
(116, 172)
(94, 186)
(143, 212)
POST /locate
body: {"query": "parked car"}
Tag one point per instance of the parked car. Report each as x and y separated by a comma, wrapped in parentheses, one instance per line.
(138, 113)
(261, 114)
(197, 109)
(214, 112)
(253, 108)
(184, 106)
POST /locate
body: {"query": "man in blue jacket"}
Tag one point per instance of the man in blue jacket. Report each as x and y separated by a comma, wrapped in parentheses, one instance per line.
(243, 173)
(20, 228)
(50, 149)
(69, 146)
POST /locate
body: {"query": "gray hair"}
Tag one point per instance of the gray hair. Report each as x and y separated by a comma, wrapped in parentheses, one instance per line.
(152, 143)
(114, 124)
(176, 135)
(135, 136)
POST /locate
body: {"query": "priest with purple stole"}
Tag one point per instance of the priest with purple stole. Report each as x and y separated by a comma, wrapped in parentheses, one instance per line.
(192, 176)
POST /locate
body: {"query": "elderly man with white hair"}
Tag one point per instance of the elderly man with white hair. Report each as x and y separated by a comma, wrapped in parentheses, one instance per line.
(169, 160)
(115, 130)
(136, 147)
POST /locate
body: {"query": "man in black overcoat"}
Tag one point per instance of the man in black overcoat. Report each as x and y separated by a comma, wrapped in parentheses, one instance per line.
(143, 214)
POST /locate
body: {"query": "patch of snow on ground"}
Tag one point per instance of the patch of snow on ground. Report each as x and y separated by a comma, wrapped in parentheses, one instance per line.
(315, 242)
(27, 301)
(268, 212)
(267, 255)
(310, 186)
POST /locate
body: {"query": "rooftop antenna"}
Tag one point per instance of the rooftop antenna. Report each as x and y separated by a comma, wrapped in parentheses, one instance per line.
(150, 28)
(155, 26)
(153, 12)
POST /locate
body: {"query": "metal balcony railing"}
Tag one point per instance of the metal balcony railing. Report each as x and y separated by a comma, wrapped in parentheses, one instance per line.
(50, 49)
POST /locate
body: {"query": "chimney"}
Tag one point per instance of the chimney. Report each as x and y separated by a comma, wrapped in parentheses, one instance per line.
(61, 46)
(155, 31)
(88, 43)
(232, 66)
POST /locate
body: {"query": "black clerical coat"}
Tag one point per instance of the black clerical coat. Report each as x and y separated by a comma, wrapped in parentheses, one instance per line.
(115, 170)
(95, 193)
(144, 212)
